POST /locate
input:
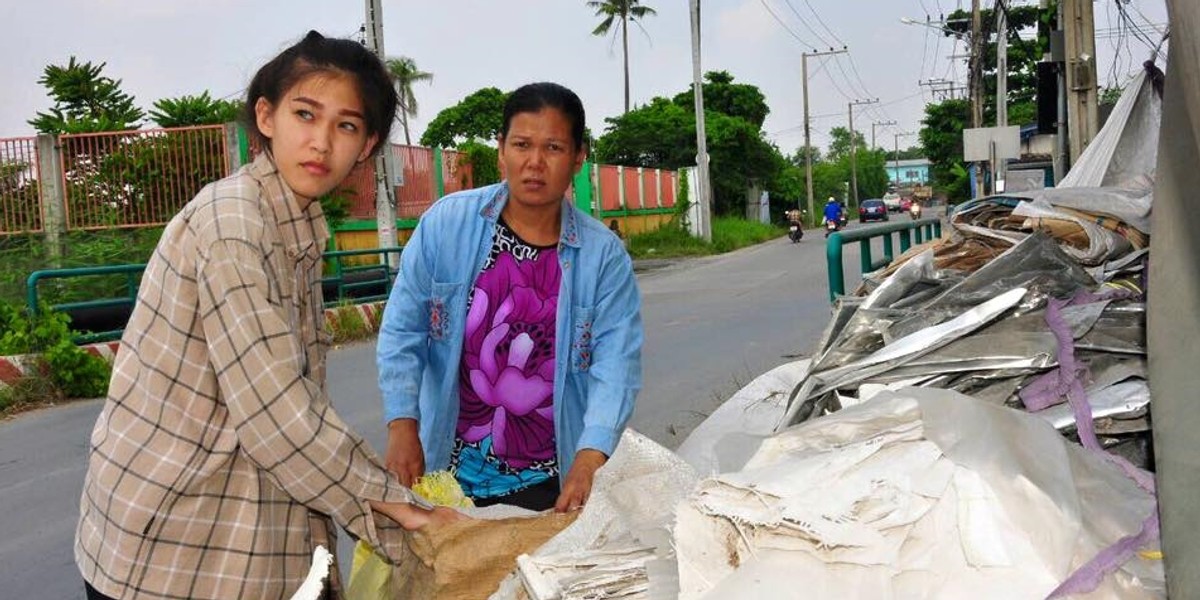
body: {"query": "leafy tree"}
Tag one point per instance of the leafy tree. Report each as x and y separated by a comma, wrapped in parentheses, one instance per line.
(404, 74)
(798, 158)
(1023, 56)
(722, 95)
(661, 134)
(188, 111)
(941, 136)
(484, 161)
(910, 153)
(84, 101)
(839, 143)
(478, 117)
(620, 13)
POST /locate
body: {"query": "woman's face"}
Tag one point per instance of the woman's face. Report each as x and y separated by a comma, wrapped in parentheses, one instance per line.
(317, 133)
(538, 157)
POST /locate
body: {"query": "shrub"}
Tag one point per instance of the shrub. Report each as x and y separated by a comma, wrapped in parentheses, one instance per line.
(63, 370)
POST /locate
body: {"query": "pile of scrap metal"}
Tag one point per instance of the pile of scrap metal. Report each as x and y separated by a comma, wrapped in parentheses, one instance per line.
(1029, 295)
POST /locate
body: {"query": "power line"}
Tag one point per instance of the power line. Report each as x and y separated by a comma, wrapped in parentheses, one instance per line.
(835, 37)
(806, 25)
(784, 25)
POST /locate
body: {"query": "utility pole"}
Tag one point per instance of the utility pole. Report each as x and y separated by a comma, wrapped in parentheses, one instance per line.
(704, 184)
(876, 124)
(896, 156)
(1001, 9)
(976, 83)
(852, 203)
(385, 193)
(812, 208)
(1080, 40)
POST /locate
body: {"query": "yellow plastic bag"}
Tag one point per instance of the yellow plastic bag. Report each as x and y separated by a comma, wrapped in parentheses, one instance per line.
(370, 573)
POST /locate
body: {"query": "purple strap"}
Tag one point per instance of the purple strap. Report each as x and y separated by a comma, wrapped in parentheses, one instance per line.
(1066, 381)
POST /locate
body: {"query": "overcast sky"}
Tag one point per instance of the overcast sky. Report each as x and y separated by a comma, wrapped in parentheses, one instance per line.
(168, 48)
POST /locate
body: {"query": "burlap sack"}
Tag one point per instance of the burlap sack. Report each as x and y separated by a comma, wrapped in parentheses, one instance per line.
(467, 560)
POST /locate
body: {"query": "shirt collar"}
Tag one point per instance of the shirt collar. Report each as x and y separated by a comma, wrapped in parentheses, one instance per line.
(304, 231)
(569, 229)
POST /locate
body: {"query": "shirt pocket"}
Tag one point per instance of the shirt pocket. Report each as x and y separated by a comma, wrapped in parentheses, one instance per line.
(442, 296)
(581, 338)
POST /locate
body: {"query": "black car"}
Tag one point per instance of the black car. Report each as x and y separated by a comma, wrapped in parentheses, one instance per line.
(872, 210)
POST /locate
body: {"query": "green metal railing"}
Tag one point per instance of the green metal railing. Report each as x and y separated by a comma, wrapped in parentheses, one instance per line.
(920, 229)
(383, 274)
(346, 279)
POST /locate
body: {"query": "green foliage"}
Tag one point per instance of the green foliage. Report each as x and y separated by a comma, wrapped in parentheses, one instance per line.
(1110, 95)
(839, 143)
(71, 372)
(728, 98)
(484, 161)
(729, 233)
(141, 178)
(189, 111)
(662, 134)
(20, 196)
(84, 101)
(22, 255)
(336, 206)
(347, 324)
(941, 136)
(478, 117)
(1023, 56)
(910, 153)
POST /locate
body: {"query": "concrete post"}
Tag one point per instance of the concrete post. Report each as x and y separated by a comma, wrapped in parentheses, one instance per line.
(53, 197)
(233, 147)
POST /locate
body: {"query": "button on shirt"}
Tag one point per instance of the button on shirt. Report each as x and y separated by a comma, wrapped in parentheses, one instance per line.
(217, 459)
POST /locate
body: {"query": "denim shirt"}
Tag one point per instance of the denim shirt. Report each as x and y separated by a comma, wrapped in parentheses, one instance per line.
(598, 331)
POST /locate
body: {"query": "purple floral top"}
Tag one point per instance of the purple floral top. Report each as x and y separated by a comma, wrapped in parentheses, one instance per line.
(505, 435)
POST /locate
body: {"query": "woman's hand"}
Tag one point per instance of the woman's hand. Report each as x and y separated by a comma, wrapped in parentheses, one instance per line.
(404, 455)
(578, 484)
(412, 517)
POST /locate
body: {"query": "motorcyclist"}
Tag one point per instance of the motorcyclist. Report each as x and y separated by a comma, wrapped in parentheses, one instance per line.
(833, 211)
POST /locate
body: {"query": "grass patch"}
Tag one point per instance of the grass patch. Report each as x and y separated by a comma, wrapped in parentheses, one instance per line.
(671, 240)
(347, 324)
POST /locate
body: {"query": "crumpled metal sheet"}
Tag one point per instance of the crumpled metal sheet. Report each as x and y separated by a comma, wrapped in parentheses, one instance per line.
(1119, 399)
(1036, 263)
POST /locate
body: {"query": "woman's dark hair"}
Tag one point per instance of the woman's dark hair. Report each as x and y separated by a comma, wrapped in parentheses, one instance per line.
(533, 97)
(319, 54)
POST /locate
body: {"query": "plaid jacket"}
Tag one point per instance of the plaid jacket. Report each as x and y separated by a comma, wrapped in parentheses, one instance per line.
(217, 457)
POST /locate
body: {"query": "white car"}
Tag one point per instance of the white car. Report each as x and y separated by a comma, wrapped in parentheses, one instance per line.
(892, 202)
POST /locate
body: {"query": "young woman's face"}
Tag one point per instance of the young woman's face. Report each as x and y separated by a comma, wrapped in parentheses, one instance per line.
(317, 133)
(538, 157)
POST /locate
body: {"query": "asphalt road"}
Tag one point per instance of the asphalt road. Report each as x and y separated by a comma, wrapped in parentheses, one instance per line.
(712, 325)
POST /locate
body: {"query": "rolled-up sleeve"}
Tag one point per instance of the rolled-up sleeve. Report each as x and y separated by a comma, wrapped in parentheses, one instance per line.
(303, 446)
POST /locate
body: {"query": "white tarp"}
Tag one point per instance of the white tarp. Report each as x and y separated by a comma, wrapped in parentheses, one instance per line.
(1127, 146)
(921, 493)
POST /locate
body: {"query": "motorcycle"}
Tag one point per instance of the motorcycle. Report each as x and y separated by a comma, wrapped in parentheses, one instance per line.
(914, 211)
(795, 231)
(831, 225)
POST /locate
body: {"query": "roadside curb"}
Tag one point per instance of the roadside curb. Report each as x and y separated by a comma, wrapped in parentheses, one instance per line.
(13, 368)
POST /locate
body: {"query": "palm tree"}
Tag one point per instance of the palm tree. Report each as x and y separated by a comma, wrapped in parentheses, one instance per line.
(626, 11)
(404, 74)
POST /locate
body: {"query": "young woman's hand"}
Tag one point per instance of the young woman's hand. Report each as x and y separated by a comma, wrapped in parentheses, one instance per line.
(404, 455)
(412, 517)
(578, 484)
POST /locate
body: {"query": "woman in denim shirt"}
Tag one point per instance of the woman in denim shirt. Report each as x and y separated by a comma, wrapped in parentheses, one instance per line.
(510, 349)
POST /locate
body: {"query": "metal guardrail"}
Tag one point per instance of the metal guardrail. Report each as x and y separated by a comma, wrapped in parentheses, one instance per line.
(922, 229)
(361, 283)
